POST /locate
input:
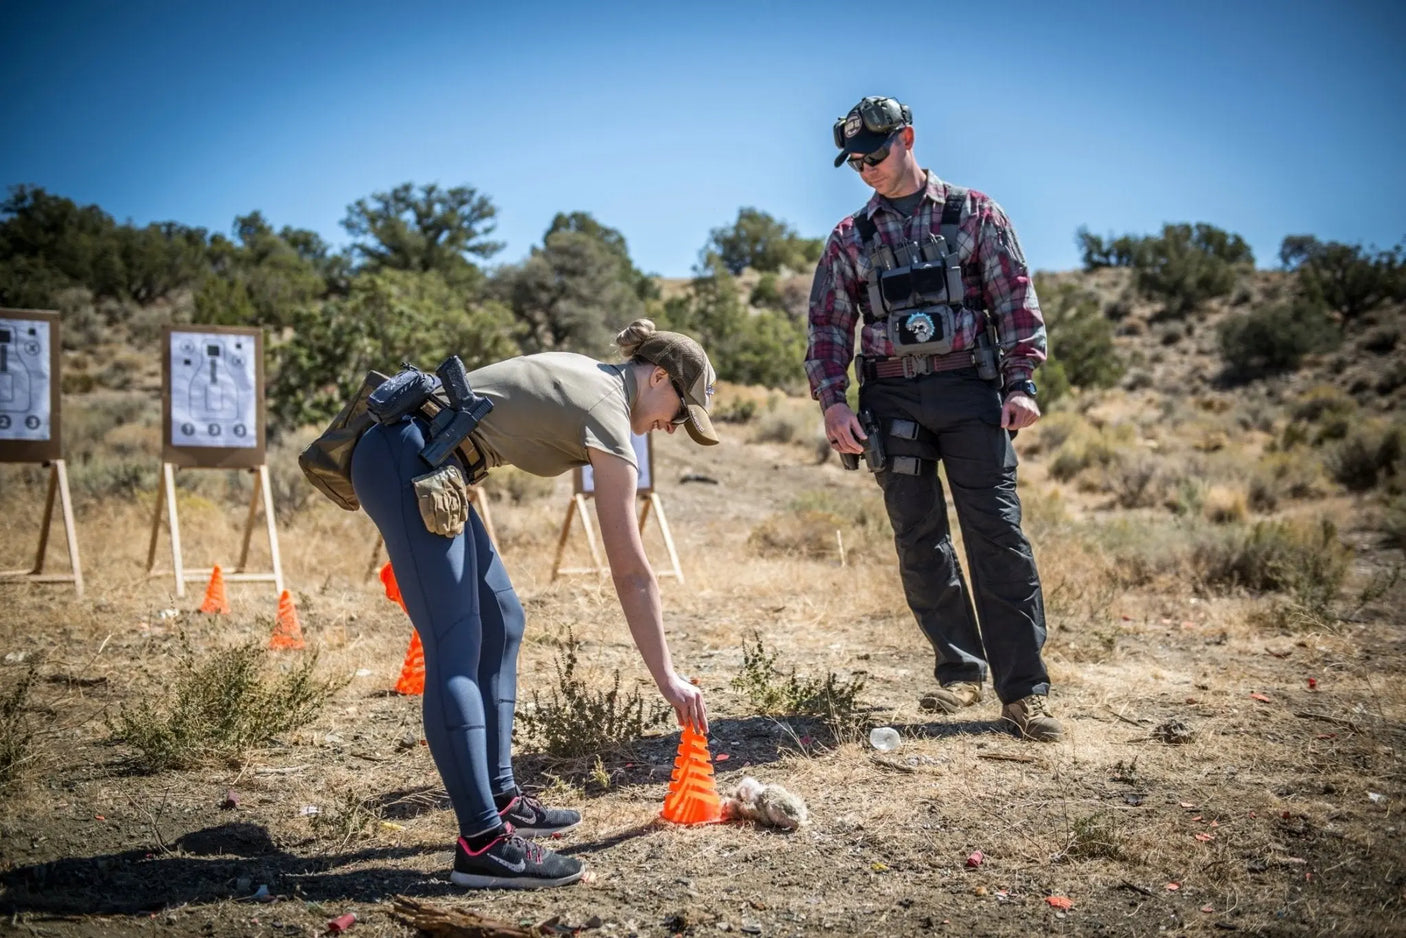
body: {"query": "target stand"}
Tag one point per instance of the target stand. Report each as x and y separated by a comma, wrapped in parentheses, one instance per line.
(29, 427)
(649, 505)
(213, 417)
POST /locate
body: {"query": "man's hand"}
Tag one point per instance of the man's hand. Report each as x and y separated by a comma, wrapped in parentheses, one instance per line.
(1019, 411)
(843, 431)
(687, 701)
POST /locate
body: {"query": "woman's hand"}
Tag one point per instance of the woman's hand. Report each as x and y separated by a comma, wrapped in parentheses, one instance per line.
(687, 701)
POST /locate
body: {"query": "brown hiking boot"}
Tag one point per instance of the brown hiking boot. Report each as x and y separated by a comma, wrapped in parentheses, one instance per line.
(949, 698)
(1033, 720)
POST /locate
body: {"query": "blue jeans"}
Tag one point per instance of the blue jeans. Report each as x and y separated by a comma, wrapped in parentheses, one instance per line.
(469, 618)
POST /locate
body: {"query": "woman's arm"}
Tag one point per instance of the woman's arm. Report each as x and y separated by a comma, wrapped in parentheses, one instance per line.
(636, 586)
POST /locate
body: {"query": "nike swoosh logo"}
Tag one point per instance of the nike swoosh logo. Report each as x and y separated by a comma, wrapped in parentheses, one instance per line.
(517, 867)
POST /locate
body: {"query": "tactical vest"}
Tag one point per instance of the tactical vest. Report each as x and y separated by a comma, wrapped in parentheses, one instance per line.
(916, 288)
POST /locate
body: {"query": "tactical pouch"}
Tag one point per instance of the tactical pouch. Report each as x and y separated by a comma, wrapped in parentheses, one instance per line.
(327, 460)
(404, 394)
(443, 498)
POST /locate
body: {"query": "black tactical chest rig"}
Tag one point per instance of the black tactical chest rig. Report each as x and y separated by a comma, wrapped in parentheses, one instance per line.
(916, 288)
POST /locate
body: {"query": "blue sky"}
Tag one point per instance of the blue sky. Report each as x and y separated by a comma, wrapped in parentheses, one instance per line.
(662, 120)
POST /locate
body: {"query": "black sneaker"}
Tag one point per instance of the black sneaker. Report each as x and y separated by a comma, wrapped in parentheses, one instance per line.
(510, 862)
(530, 818)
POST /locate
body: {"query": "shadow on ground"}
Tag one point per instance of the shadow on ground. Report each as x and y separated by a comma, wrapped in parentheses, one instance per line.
(210, 865)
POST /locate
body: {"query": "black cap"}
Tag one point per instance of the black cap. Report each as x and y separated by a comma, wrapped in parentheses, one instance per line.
(869, 124)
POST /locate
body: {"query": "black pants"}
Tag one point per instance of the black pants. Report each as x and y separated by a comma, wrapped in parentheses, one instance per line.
(960, 419)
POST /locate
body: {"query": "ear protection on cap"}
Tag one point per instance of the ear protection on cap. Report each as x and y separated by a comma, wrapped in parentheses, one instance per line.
(875, 114)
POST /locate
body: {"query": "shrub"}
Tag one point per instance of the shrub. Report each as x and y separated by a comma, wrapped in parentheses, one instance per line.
(1368, 454)
(1081, 350)
(734, 410)
(1393, 522)
(1086, 448)
(772, 693)
(1093, 837)
(1323, 413)
(578, 720)
(1275, 339)
(219, 708)
(1223, 505)
(786, 426)
(1284, 475)
(1305, 560)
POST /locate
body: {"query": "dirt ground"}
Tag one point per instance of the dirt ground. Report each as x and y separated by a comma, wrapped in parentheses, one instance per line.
(1278, 814)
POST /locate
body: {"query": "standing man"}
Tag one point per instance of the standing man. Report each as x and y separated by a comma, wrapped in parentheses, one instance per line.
(951, 334)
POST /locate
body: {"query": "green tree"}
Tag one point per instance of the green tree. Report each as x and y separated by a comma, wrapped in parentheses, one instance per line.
(1348, 278)
(1095, 252)
(614, 242)
(1275, 339)
(573, 293)
(386, 317)
(159, 259)
(431, 229)
(48, 243)
(260, 278)
(1295, 249)
(1187, 265)
(761, 242)
(764, 347)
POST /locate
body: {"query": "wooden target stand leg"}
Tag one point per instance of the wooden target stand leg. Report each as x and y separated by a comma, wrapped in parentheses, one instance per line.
(476, 498)
(650, 504)
(575, 509)
(58, 485)
(166, 502)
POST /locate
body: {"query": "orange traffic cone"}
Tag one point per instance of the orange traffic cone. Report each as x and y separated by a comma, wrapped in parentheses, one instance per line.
(693, 795)
(412, 672)
(392, 587)
(287, 633)
(215, 601)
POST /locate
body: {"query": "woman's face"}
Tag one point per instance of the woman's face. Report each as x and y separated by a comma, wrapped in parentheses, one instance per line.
(659, 404)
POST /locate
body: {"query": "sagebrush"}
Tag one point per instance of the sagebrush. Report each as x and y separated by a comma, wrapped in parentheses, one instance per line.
(579, 720)
(221, 707)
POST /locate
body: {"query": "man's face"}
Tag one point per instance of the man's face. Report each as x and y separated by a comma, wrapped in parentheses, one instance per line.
(890, 175)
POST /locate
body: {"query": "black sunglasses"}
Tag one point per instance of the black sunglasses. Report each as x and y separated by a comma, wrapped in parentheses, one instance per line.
(857, 161)
(681, 417)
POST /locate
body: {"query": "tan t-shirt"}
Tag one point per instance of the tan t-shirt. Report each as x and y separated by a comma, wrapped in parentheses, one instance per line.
(549, 408)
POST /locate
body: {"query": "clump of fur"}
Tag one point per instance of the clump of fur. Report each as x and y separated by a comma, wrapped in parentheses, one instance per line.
(765, 804)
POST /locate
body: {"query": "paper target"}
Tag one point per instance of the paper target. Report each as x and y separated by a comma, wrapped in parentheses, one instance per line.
(29, 393)
(586, 481)
(213, 396)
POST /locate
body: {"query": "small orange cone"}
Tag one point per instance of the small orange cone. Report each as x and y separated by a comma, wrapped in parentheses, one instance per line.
(693, 795)
(287, 633)
(392, 587)
(412, 672)
(215, 601)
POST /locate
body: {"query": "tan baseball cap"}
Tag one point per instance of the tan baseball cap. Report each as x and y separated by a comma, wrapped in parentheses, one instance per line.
(691, 372)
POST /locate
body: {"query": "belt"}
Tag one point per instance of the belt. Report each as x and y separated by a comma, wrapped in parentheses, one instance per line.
(911, 366)
(475, 465)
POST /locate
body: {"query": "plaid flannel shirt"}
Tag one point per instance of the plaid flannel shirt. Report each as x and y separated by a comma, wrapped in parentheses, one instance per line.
(993, 269)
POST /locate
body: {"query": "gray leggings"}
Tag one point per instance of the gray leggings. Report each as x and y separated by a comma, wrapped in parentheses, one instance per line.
(469, 619)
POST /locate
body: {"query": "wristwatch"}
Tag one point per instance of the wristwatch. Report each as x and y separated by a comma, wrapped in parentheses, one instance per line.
(1026, 387)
